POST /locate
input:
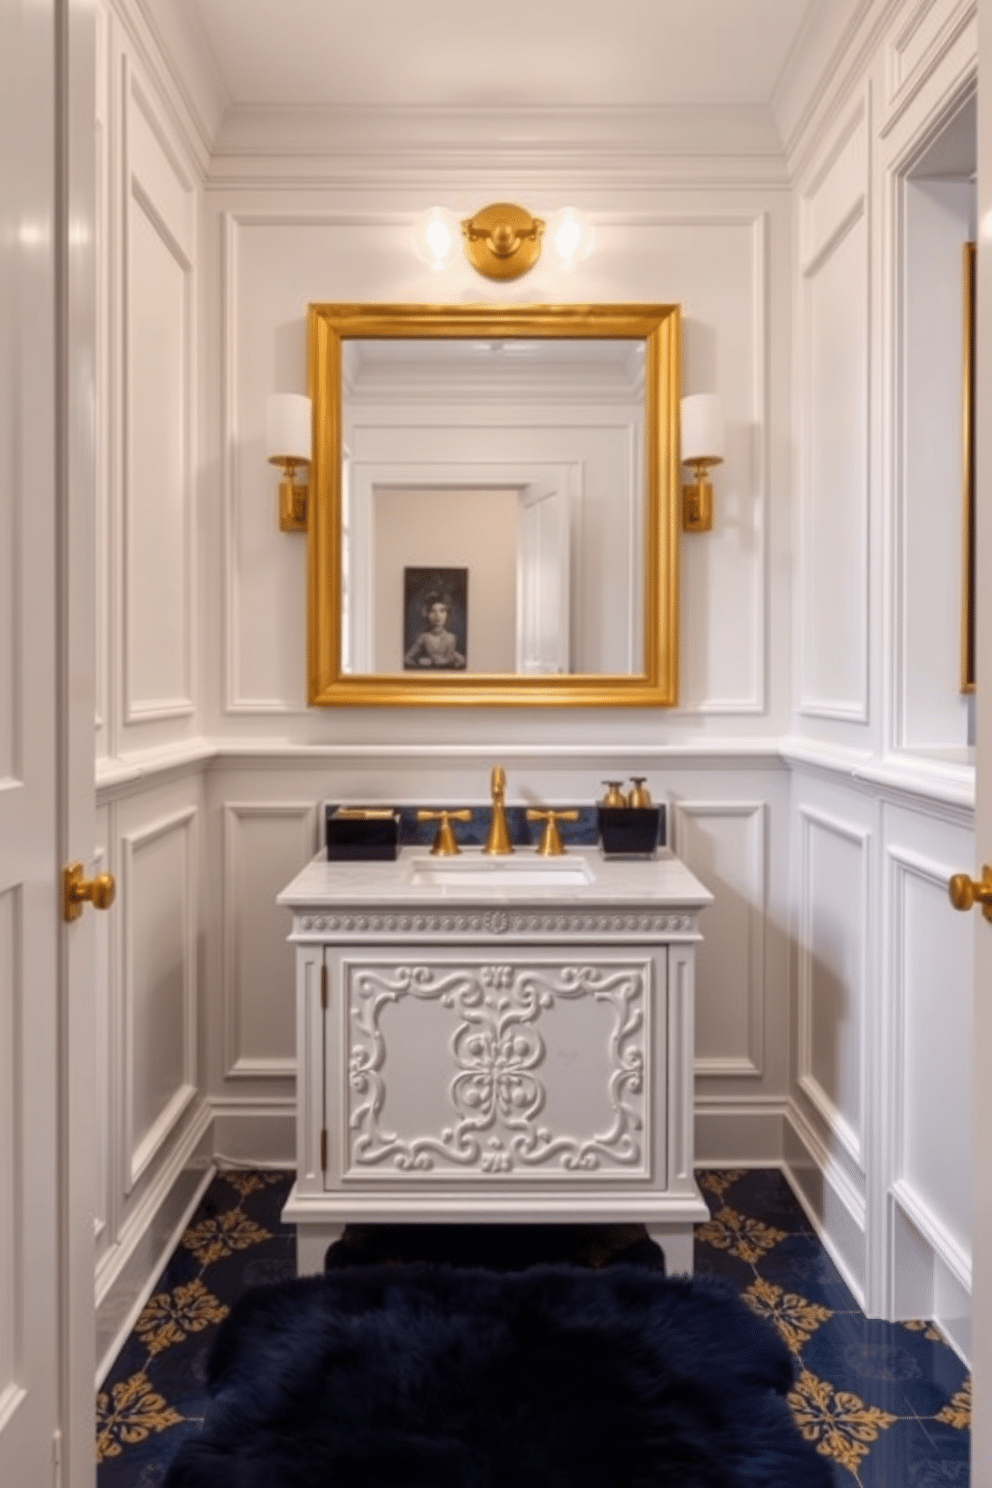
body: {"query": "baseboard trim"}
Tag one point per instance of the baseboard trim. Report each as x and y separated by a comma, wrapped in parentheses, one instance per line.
(739, 1133)
(257, 1134)
(127, 1275)
(833, 1207)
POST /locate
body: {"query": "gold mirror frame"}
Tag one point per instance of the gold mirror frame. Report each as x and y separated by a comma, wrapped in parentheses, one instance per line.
(658, 326)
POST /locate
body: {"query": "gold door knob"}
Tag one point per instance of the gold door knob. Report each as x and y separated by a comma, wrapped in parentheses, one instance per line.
(966, 892)
(77, 891)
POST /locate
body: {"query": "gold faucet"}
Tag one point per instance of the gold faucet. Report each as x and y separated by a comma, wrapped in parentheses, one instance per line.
(498, 842)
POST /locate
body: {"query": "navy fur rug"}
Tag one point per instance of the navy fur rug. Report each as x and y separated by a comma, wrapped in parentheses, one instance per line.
(423, 1376)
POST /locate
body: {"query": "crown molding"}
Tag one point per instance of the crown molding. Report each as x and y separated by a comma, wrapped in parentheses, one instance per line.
(359, 139)
(832, 55)
(175, 47)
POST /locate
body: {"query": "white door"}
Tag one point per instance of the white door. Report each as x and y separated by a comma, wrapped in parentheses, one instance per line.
(543, 581)
(46, 743)
(981, 1443)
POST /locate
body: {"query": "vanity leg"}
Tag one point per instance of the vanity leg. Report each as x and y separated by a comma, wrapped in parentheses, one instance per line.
(311, 1246)
(676, 1242)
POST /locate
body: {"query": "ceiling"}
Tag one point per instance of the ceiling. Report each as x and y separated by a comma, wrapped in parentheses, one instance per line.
(559, 54)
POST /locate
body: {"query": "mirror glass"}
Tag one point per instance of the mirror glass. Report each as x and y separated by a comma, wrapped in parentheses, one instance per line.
(493, 504)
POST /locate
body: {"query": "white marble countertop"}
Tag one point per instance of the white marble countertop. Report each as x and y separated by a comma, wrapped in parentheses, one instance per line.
(582, 876)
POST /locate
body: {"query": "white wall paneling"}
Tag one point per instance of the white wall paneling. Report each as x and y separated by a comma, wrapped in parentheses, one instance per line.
(716, 264)
(160, 348)
(724, 844)
(265, 845)
(161, 914)
(834, 424)
(833, 888)
(725, 667)
(930, 964)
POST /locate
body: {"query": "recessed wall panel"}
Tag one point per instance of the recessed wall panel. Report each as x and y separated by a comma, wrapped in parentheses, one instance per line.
(265, 846)
(716, 266)
(724, 844)
(934, 958)
(158, 589)
(832, 954)
(833, 579)
(161, 957)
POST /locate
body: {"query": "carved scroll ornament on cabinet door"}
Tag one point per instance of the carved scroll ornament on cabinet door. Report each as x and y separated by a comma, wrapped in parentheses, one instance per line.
(500, 1067)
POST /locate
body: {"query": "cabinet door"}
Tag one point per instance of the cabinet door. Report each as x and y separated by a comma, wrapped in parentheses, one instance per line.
(463, 1064)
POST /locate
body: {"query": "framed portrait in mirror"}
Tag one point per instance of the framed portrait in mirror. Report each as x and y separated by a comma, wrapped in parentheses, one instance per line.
(435, 619)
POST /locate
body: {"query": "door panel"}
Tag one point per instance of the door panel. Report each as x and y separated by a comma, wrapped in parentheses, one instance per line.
(29, 934)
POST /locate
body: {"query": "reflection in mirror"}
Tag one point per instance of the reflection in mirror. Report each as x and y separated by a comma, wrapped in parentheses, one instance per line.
(494, 516)
(520, 461)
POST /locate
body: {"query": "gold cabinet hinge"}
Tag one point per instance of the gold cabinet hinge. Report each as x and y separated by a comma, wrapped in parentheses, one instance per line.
(323, 987)
(323, 1149)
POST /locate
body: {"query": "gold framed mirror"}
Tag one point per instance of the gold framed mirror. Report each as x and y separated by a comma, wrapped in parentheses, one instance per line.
(493, 515)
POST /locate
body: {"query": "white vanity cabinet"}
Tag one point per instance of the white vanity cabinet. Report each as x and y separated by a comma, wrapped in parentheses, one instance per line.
(495, 1041)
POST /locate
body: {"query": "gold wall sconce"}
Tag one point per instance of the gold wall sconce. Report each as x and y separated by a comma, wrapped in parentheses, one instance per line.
(289, 437)
(702, 448)
(502, 240)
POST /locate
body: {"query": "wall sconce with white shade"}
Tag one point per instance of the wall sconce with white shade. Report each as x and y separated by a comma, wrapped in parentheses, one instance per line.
(289, 439)
(502, 240)
(702, 447)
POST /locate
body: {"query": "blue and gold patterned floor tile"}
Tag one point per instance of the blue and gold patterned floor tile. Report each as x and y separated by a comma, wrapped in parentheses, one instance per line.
(154, 1395)
(888, 1404)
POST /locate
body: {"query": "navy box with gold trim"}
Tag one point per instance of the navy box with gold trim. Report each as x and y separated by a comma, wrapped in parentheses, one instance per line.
(362, 834)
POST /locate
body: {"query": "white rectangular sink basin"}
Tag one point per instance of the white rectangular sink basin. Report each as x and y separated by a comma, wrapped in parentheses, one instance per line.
(528, 872)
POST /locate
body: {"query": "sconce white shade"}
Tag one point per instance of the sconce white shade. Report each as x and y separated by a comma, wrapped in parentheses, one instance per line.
(288, 427)
(570, 236)
(437, 238)
(702, 428)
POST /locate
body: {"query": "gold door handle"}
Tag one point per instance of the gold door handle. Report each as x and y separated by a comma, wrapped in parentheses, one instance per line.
(966, 892)
(77, 891)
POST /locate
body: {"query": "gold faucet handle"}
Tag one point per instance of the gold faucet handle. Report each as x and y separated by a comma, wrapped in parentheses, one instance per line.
(551, 845)
(445, 845)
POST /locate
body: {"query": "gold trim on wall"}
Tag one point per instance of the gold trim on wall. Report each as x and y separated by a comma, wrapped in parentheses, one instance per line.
(328, 325)
(968, 473)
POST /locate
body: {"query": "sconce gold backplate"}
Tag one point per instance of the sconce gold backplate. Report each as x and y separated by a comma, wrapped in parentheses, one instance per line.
(77, 891)
(964, 892)
(292, 495)
(697, 498)
(502, 241)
